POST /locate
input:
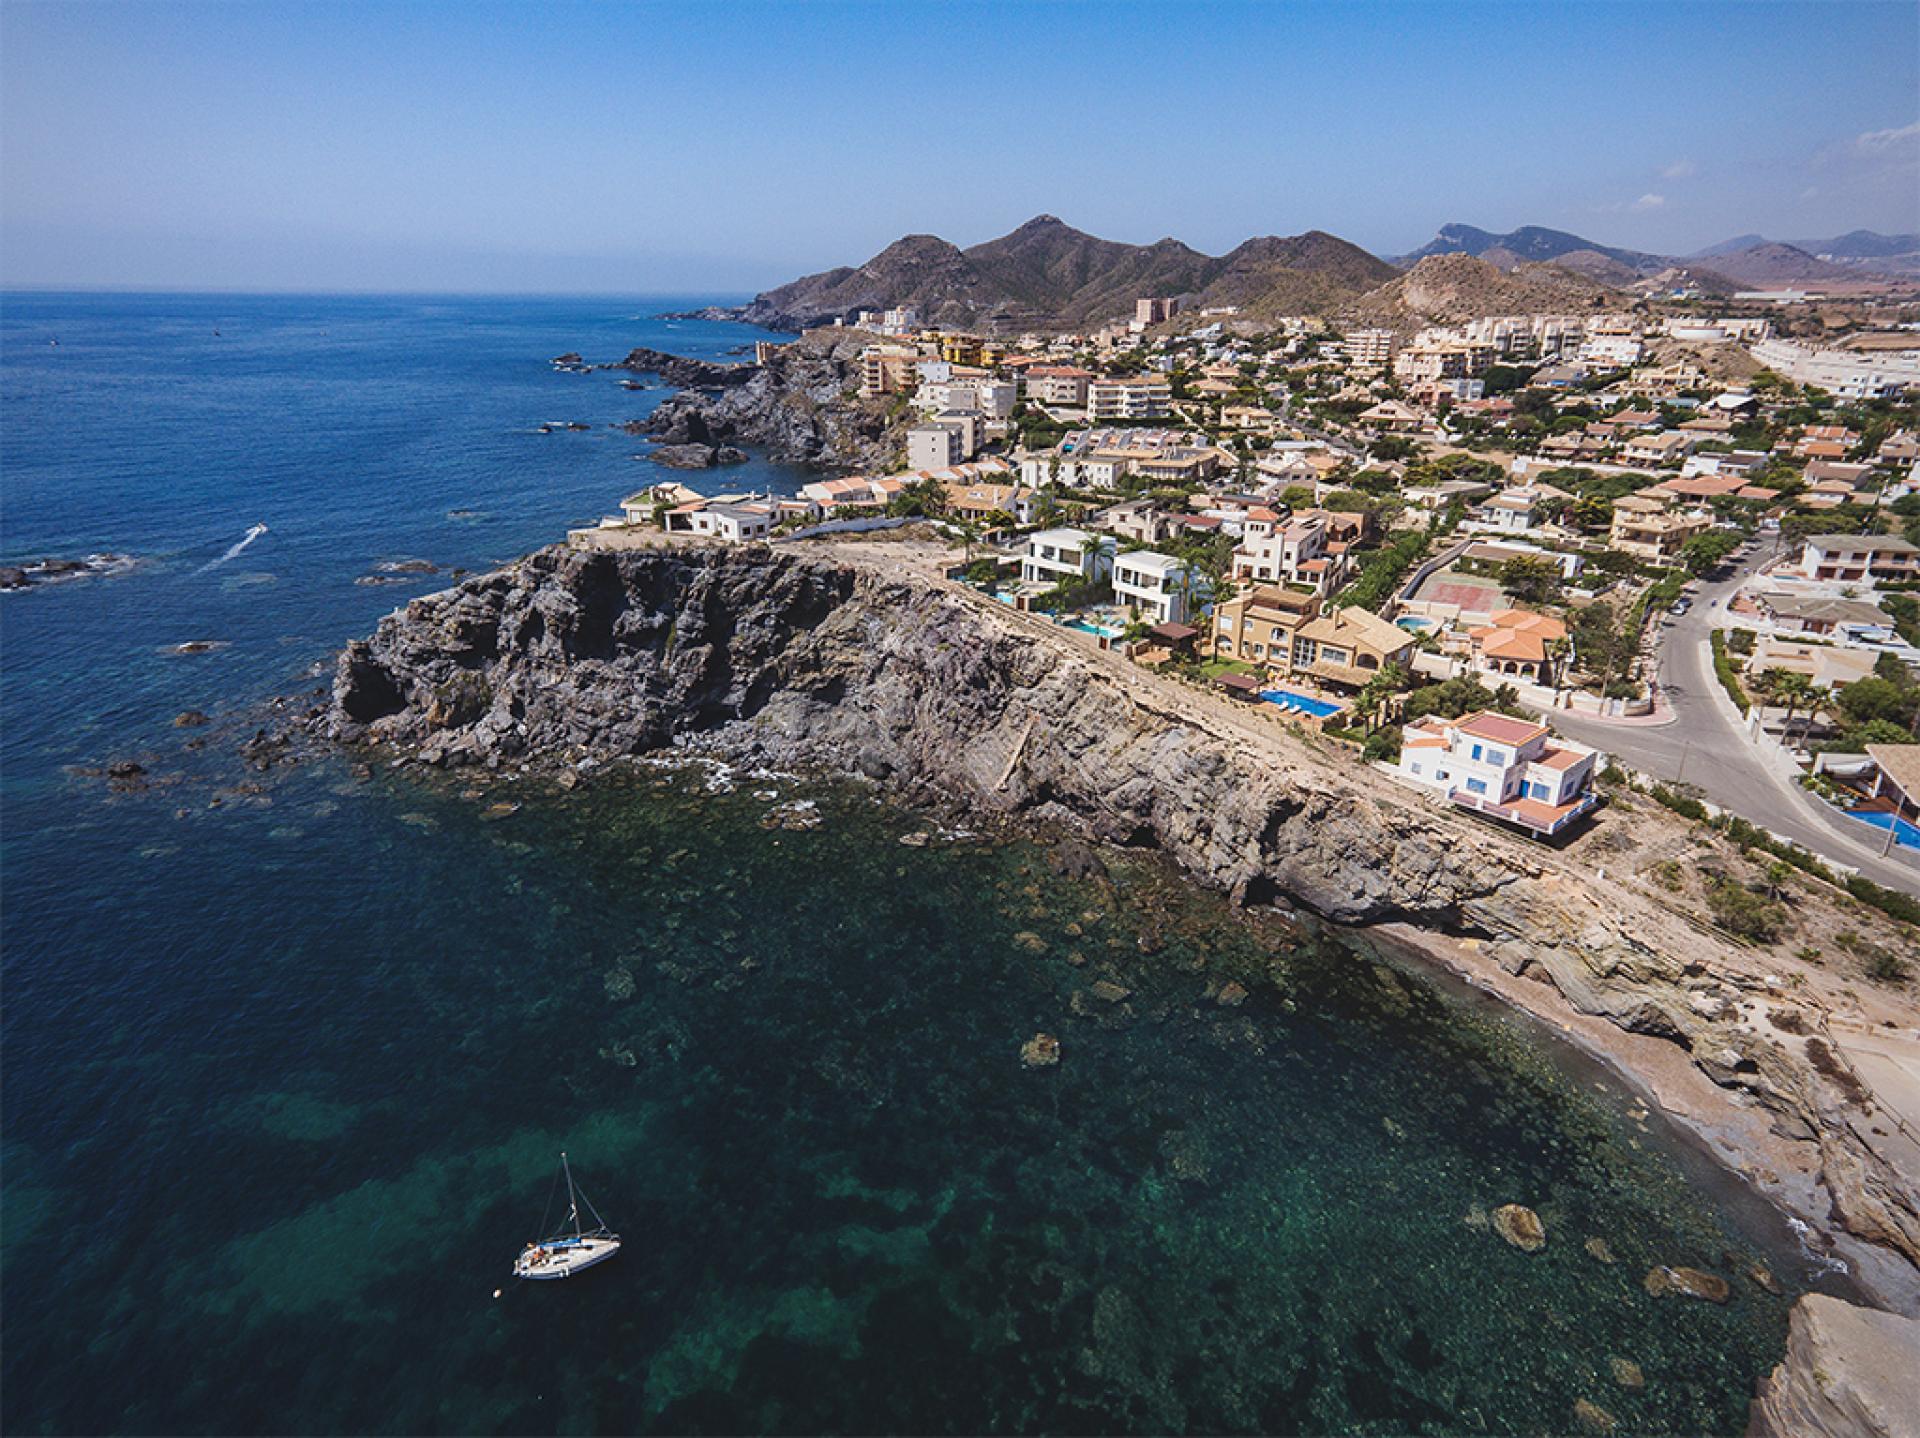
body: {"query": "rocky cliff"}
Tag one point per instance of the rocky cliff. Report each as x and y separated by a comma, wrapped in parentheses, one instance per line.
(766, 656)
(1849, 1373)
(799, 405)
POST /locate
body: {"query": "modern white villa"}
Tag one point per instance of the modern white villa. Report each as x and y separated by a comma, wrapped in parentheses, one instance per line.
(1161, 587)
(1056, 554)
(1512, 769)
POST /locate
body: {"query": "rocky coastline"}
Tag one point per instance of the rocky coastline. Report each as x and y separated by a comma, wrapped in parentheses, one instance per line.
(785, 659)
(799, 405)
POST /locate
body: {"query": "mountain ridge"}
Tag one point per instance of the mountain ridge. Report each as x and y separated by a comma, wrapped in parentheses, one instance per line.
(1047, 273)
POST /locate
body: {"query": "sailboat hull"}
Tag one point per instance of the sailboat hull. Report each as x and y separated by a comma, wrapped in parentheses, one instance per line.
(564, 1257)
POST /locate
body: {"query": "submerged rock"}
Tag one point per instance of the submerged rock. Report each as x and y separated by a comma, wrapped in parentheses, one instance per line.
(190, 719)
(1686, 1283)
(1042, 1051)
(1627, 1373)
(1520, 1226)
(1592, 1418)
(1599, 1249)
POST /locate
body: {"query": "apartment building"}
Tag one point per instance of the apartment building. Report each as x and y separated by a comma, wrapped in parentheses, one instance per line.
(1850, 374)
(888, 369)
(1061, 384)
(935, 446)
(1138, 397)
(1369, 348)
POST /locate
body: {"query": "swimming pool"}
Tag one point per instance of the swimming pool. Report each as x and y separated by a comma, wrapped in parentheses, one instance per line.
(1414, 624)
(1905, 834)
(1300, 703)
(1086, 626)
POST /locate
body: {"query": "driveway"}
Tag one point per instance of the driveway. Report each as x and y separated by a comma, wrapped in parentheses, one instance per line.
(1707, 745)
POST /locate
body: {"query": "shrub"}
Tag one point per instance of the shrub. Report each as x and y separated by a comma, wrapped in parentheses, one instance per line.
(1743, 913)
(1728, 675)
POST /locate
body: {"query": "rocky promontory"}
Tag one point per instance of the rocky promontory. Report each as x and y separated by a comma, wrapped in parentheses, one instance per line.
(682, 372)
(801, 405)
(770, 656)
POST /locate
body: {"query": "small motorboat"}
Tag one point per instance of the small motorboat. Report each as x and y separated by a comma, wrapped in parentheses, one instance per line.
(567, 1253)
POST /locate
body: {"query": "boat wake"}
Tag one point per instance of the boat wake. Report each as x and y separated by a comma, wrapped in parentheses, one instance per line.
(248, 538)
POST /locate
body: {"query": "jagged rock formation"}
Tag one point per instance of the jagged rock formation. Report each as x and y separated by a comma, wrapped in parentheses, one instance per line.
(800, 406)
(762, 656)
(682, 372)
(1849, 1373)
(1048, 274)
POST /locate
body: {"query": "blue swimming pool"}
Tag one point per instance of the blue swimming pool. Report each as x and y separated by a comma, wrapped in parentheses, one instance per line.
(1414, 624)
(1905, 834)
(1300, 703)
(1105, 631)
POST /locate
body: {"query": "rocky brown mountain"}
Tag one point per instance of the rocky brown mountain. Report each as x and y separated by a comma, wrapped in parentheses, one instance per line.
(1048, 274)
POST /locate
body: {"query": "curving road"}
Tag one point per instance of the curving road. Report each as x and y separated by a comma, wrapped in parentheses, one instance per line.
(1706, 744)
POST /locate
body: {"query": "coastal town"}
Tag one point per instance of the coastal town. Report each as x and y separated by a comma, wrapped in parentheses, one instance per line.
(1482, 555)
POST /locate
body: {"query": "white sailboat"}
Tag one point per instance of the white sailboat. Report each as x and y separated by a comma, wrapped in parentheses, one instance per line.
(567, 1253)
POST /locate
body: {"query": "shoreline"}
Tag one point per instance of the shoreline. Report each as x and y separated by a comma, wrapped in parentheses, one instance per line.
(850, 659)
(1735, 1141)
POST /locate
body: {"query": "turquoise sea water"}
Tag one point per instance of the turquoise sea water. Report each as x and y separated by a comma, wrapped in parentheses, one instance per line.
(288, 1057)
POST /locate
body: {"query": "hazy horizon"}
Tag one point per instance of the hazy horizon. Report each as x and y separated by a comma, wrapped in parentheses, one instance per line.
(636, 149)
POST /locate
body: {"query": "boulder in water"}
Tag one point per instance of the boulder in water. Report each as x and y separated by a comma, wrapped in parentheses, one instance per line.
(190, 719)
(1520, 1226)
(1687, 1283)
(1042, 1051)
(1592, 1418)
(1627, 1373)
(1599, 1249)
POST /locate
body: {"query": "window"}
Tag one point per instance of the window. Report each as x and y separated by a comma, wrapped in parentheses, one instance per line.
(1496, 756)
(1413, 768)
(1476, 751)
(1537, 790)
(1476, 786)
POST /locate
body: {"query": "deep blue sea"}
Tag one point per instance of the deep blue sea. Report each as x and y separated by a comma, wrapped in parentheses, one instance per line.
(288, 1057)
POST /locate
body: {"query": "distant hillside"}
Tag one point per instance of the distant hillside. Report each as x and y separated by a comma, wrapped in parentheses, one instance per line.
(1766, 265)
(1530, 244)
(1861, 245)
(1728, 247)
(1449, 288)
(1046, 273)
(1748, 261)
(1855, 253)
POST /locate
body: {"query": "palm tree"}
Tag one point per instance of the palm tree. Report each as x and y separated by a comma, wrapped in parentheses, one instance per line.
(1819, 698)
(1791, 690)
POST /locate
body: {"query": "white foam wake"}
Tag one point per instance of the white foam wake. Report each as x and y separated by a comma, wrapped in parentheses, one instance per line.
(248, 538)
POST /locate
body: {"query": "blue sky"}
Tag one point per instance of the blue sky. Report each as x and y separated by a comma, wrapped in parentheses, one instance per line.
(690, 147)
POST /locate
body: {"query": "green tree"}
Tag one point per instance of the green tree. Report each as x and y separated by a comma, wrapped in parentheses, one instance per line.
(1704, 552)
(1530, 578)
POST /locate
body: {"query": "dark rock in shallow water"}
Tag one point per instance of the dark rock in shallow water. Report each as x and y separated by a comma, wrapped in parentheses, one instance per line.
(190, 719)
(1075, 859)
(686, 456)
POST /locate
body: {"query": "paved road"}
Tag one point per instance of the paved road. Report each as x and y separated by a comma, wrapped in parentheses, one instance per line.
(1706, 745)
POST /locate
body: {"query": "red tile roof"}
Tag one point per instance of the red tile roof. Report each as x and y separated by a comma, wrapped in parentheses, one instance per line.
(1501, 728)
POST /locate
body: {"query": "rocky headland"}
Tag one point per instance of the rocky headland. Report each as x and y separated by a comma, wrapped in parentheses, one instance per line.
(800, 406)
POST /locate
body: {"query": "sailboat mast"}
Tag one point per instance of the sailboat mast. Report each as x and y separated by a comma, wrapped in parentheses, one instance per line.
(573, 1204)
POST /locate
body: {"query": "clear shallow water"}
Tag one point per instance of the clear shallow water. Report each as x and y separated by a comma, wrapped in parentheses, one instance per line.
(285, 1076)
